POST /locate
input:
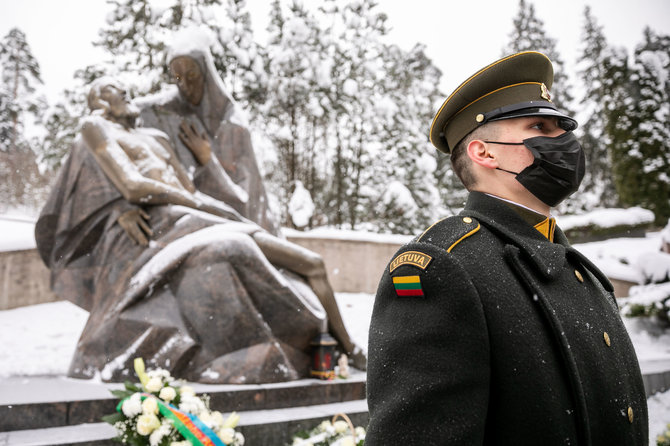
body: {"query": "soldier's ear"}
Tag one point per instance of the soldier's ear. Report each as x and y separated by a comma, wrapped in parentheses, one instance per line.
(478, 152)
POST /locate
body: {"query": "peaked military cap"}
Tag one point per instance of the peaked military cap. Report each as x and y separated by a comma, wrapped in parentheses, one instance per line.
(512, 87)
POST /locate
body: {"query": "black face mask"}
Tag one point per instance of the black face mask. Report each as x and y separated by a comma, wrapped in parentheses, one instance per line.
(557, 170)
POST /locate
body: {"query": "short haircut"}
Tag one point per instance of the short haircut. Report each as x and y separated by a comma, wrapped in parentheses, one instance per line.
(461, 162)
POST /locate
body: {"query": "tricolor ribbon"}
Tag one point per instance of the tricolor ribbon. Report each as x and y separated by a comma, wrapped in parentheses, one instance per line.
(188, 425)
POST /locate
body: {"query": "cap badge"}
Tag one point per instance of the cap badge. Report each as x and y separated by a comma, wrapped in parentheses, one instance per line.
(545, 92)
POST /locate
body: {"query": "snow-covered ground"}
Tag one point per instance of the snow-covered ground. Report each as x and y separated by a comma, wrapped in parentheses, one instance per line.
(39, 340)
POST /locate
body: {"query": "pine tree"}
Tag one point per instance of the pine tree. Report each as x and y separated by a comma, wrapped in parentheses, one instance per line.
(295, 114)
(359, 88)
(650, 114)
(61, 130)
(411, 161)
(240, 61)
(139, 31)
(19, 105)
(529, 35)
(637, 113)
(617, 103)
(20, 73)
(597, 188)
(347, 114)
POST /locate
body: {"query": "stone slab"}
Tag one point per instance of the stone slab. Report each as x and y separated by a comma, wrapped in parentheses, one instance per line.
(656, 382)
(260, 428)
(31, 403)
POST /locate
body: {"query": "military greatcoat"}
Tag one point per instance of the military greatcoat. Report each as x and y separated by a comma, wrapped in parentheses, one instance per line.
(485, 332)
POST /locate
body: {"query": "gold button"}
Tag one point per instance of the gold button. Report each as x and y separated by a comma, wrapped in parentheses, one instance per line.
(579, 276)
(479, 118)
(467, 220)
(630, 414)
(606, 337)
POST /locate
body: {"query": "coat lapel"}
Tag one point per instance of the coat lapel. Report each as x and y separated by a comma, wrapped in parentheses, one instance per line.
(546, 257)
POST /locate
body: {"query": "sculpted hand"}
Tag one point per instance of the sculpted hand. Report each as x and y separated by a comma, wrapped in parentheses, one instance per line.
(197, 143)
(134, 222)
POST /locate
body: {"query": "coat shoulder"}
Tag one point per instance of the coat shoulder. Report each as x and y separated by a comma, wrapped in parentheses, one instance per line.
(450, 232)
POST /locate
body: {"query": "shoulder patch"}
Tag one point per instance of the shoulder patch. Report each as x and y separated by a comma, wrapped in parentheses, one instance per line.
(450, 231)
(414, 258)
(407, 286)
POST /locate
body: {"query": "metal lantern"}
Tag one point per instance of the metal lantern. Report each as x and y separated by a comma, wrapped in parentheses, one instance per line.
(323, 356)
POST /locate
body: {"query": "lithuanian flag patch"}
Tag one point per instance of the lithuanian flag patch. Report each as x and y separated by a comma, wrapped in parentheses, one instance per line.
(408, 286)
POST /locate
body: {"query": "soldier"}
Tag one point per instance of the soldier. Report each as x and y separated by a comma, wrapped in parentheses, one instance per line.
(489, 328)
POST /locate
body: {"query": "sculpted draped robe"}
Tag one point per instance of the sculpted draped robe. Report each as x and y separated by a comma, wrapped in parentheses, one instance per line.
(201, 301)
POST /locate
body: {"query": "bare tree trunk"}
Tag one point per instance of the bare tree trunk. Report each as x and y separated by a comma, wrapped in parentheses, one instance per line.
(339, 179)
(353, 200)
(15, 118)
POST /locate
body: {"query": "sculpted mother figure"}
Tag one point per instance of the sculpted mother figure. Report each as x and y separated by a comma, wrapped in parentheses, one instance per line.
(200, 108)
(170, 273)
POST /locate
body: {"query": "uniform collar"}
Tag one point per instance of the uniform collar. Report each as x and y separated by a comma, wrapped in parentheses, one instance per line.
(500, 218)
(547, 258)
(539, 221)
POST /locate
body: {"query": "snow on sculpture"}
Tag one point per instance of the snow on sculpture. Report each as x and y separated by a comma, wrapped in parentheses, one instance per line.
(170, 260)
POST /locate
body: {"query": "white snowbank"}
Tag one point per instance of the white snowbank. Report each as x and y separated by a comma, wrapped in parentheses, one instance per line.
(344, 234)
(300, 206)
(618, 257)
(39, 339)
(17, 232)
(652, 343)
(659, 415)
(607, 218)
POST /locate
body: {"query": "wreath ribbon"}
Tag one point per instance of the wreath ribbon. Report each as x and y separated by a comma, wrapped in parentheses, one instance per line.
(188, 425)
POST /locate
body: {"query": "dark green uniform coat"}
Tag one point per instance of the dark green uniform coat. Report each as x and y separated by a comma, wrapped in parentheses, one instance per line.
(509, 339)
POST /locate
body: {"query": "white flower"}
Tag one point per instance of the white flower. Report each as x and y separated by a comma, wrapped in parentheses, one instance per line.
(347, 441)
(217, 419)
(132, 406)
(239, 439)
(147, 423)
(149, 405)
(340, 426)
(232, 420)
(162, 374)
(167, 394)
(227, 435)
(191, 404)
(207, 419)
(360, 432)
(181, 443)
(157, 436)
(154, 385)
(324, 426)
(186, 390)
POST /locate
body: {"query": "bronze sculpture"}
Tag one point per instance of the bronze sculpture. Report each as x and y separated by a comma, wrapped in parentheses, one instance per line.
(200, 107)
(184, 279)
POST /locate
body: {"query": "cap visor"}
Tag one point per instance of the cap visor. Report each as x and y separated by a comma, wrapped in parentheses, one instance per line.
(564, 121)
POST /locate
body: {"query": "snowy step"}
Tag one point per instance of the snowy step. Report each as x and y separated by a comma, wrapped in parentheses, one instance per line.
(260, 427)
(34, 403)
(656, 382)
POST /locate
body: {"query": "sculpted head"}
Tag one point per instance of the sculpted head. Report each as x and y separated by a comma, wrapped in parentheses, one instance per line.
(111, 97)
(189, 77)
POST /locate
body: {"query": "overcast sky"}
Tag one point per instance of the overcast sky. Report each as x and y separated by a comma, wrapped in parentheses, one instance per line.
(461, 36)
